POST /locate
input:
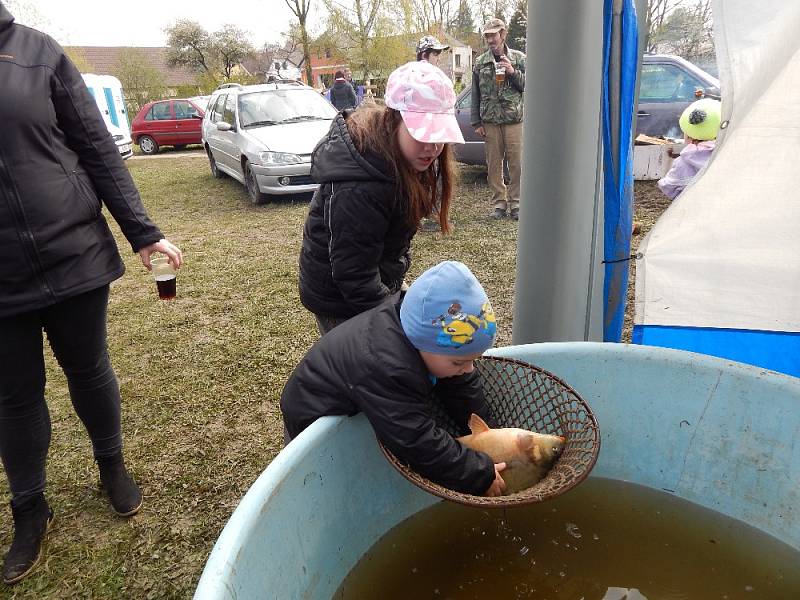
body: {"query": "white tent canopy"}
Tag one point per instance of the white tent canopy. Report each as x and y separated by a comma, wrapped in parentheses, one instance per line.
(721, 268)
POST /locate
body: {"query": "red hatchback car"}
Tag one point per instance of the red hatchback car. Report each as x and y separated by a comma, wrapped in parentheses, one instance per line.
(167, 123)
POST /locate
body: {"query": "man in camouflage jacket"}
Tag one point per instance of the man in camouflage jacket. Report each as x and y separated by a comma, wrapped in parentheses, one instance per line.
(496, 114)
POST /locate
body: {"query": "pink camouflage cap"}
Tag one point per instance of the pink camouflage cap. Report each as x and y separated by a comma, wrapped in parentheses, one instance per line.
(425, 98)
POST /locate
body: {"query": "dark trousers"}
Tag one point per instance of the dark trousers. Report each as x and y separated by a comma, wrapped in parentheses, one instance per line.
(76, 331)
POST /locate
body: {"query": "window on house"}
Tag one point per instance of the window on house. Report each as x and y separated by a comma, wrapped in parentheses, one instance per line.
(327, 52)
(458, 60)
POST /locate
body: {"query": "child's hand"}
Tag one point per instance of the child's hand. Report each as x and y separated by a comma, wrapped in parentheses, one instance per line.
(498, 486)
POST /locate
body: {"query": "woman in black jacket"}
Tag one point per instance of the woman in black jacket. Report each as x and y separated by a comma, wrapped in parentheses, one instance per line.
(381, 170)
(57, 258)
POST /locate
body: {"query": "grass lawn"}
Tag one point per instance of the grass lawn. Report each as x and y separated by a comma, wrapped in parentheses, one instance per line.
(201, 378)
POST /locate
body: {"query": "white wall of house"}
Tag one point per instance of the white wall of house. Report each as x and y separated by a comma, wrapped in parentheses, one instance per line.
(459, 63)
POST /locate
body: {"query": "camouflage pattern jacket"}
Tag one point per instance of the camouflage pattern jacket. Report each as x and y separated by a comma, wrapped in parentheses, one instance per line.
(492, 104)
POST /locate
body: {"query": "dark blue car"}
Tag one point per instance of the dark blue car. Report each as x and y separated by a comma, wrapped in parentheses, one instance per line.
(668, 85)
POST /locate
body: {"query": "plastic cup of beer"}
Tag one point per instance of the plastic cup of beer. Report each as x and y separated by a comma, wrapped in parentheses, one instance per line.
(165, 276)
(499, 74)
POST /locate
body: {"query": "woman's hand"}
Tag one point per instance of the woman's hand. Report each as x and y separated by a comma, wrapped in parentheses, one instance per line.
(498, 487)
(165, 247)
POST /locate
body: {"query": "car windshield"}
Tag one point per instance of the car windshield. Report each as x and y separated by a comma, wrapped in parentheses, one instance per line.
(273, 107)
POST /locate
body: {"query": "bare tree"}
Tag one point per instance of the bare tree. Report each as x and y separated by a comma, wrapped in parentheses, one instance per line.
(301, 8)
(141, 81)
(657, 13)
(229, 46)
(213, 56)
(355, 21)
(682, 27)
(487, 9)
(431, 15)
(189, 46)
(25, 13)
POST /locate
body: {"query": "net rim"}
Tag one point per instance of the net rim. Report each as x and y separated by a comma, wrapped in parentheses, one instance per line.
(544, 489)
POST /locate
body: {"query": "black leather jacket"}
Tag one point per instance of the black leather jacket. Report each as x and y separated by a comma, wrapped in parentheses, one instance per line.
(57, 162)
(356, 240)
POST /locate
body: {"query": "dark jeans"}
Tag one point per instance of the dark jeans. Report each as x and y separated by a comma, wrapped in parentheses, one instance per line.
(76, 331)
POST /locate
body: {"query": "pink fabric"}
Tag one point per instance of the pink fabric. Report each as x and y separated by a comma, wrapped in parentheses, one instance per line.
(425, 98)
(692, 158)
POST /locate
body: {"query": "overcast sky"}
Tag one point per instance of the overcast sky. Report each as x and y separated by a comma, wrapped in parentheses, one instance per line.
(141, 22)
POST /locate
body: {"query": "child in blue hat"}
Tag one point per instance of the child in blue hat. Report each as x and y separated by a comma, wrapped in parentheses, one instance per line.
(388, 361)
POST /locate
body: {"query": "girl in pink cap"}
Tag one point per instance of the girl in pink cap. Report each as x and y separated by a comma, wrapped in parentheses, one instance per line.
(381, 170)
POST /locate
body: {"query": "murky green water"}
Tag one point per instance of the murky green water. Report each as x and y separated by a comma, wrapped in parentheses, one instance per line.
(605, 539)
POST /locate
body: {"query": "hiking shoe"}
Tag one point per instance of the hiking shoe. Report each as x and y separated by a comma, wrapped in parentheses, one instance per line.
(499, 213)
(515, 214)
(121, 489)
(32, 518)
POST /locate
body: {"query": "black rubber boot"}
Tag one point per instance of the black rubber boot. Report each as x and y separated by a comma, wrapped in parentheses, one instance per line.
(32, 518)
(122, 491)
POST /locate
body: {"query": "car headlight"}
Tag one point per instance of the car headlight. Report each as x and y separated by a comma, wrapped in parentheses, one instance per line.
(278, 158)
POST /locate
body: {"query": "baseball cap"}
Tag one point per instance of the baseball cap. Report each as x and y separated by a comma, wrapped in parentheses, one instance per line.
(425, 98)
(446, 311)
(700, 120)
(429, 42)
(493, 25)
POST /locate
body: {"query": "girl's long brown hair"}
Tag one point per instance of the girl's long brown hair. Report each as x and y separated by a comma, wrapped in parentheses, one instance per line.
(427, 193)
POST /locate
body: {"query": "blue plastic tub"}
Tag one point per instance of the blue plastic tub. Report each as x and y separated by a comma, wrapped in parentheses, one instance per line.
(717, 433)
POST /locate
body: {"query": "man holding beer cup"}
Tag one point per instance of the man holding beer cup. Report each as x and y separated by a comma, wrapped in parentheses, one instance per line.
(498, 83)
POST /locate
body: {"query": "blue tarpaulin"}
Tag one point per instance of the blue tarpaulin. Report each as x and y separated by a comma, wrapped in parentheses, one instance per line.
(618, 161)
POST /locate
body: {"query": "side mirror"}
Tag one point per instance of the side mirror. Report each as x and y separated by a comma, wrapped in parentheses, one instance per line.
(196, 116)
(223, 126)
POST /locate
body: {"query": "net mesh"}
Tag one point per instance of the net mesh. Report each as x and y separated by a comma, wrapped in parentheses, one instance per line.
(522, 395)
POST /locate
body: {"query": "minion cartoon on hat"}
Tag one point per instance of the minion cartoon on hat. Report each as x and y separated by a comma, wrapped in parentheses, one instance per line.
(446, 311)
(701, 119)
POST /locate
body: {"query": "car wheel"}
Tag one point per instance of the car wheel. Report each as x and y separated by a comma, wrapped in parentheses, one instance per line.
(215, 172)
(256, 195)
(148, 145)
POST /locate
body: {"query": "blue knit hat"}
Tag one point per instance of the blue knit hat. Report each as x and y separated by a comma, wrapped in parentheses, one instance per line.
(446, 311)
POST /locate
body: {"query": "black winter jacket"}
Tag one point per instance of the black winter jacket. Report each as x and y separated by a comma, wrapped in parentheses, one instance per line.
(356, 240)
(57, 160)
(368, 365)
(343, 96)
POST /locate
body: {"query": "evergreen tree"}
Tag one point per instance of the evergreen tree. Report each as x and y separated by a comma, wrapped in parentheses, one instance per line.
(518, 27)
(463, 24)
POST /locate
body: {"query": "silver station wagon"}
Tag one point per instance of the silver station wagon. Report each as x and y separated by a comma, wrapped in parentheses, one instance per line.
(263, 136)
